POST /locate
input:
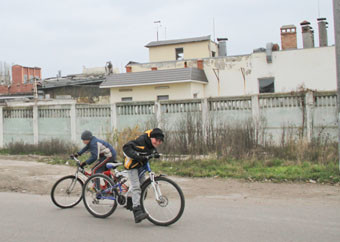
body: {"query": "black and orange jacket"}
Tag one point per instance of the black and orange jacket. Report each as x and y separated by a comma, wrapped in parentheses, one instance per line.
(136, 149)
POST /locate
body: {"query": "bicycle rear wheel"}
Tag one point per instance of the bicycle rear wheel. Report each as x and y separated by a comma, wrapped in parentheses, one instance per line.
(170, 206)
(67, 192)
(100, 196)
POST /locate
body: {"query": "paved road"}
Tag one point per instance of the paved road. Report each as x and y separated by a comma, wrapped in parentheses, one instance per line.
(33, 218)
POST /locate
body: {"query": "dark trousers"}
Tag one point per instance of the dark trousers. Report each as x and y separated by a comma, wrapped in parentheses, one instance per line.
(101, 164)
(100, 167)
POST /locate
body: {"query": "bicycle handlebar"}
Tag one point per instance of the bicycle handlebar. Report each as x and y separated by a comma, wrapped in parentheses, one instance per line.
(154, 155)
(77, 162)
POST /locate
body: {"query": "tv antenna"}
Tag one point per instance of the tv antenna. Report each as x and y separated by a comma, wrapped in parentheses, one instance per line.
(158, 24)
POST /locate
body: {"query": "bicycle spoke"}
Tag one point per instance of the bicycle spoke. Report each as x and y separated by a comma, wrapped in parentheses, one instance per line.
(67, 192)
(170, 206)
(100, 196)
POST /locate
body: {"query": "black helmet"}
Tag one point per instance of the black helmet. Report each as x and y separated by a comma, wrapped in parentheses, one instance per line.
(157, 133)
(86, 135)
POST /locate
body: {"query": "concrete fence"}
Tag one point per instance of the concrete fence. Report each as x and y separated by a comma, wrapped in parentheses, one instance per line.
(311, 112)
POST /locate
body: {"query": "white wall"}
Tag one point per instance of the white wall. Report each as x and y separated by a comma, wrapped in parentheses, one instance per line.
(201, 49)
(312, 68)
(149, 93)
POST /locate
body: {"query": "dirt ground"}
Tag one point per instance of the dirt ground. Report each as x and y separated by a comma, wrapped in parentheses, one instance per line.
(24, 174)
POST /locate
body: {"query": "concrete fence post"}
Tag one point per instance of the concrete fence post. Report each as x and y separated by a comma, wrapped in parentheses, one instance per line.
(73, 117)
(1, 127)
(255, 110)
(35, 124)
(309, 100)
(158, 112)
(114, 123)
(205, 113)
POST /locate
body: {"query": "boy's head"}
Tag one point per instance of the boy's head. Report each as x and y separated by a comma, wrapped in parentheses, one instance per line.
(86, 136)
(157, 137)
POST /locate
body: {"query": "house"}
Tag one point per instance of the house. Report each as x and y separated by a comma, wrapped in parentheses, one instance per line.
(268, 70)
(180, 49)
(157, 85)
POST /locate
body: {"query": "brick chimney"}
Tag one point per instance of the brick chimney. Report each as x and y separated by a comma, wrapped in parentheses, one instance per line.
(288, 37)
(323, 39)
(307, 35)
(128, 68)
(200, 64)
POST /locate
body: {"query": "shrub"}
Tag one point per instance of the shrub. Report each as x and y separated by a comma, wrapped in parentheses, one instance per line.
(48, 147)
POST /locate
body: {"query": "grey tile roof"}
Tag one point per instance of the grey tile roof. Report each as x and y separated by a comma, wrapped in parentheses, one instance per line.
(63, 82)
(177, 41)
(155, 77)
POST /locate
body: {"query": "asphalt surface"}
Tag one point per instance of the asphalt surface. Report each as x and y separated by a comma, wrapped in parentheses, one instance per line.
(34, 218)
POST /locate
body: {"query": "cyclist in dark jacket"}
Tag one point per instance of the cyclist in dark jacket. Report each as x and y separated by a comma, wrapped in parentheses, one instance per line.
(135, 152)
(100, 150)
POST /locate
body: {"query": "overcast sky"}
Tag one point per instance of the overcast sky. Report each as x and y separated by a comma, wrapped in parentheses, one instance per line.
(69, 34)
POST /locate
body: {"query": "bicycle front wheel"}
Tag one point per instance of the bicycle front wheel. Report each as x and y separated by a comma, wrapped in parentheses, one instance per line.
(170, 206)
(67, 192)
(100, 196)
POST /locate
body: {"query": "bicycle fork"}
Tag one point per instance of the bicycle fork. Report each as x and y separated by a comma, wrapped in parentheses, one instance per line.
(155, 187)
(70, 188)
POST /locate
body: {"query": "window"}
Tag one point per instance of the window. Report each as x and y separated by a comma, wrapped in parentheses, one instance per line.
(195, 95)
(126, 99)
(213, 53)
(266, 85)
(25, 78)
(125, 90)
(162, 97)
(162, 87)
(179, 54)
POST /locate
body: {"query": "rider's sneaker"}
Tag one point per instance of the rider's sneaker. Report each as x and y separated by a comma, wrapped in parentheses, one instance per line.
(128, 205)
(139, 214)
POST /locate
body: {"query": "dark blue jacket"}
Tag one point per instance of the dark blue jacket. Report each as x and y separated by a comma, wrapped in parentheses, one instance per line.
(98, 148)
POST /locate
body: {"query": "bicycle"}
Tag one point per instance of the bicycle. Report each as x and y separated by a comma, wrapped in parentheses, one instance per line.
(161, 198)
(67, 192)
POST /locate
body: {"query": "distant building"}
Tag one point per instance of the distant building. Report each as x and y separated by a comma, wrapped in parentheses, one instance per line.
(267, 70)
(180, 83)
(22, 82)
(180, 49)
(83, 89)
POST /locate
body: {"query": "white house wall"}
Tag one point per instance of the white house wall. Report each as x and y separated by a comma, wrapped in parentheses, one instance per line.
(228, 72)
(150, 93)
(199, 89)
(308, 68)
(190, 51)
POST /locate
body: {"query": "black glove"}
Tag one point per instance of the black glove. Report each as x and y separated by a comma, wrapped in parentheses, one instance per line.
(142, 159)
(82, 164)
(74, 155)
(156, 155)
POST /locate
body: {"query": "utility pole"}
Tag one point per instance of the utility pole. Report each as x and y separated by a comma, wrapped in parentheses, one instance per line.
(336, 11)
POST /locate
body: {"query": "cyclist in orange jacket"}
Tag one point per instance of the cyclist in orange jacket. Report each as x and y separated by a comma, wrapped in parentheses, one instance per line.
(135, 153)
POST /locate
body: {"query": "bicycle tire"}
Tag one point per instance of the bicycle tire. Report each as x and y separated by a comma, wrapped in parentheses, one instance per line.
(162, 206)
(90, 197)
(55, 189)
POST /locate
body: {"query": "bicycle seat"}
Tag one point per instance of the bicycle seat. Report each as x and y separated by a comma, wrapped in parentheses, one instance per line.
(113, 165)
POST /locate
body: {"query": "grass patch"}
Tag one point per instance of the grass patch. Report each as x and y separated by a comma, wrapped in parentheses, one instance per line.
(47, 147)
(274, 170)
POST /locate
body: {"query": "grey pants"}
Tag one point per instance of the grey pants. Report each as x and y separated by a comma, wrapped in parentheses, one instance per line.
(135, 186)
